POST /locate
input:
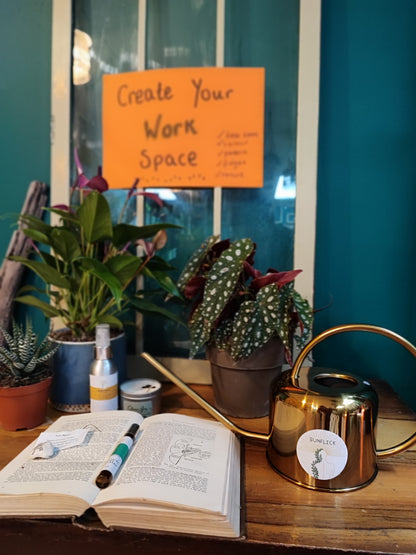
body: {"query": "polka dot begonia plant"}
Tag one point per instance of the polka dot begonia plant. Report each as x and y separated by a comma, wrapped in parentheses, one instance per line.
(235, 307)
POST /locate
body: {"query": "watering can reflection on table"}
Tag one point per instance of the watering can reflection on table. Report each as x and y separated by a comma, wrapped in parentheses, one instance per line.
(322, 422)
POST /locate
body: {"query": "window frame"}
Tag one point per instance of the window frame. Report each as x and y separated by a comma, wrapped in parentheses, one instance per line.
(306, 145)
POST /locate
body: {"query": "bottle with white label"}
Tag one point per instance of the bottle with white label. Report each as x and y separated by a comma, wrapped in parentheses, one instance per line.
(103, 373)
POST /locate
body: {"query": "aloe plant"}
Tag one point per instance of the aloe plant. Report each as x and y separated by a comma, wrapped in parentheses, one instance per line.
(23, 357)
(235, 307)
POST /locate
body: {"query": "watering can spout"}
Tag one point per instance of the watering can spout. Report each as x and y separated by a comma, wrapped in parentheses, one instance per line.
(202, 402)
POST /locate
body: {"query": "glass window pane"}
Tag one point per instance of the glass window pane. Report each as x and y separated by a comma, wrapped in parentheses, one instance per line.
(112, 29)
(266, 34)
(182, 33)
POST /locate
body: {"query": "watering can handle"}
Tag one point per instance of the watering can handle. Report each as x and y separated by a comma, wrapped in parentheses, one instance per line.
(358, 327)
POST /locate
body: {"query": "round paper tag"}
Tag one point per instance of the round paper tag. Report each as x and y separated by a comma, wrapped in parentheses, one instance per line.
(322, 454)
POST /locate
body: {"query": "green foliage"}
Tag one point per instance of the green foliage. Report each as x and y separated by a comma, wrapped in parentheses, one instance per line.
(88, 267)
(23, 357)
(235, 307)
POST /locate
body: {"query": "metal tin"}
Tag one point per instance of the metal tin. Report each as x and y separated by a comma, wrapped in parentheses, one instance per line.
(141, 395)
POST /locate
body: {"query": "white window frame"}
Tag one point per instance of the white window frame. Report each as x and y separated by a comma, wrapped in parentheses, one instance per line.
(195, 371)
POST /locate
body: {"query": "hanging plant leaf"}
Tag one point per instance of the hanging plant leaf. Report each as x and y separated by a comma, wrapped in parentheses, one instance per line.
(193, 265)
(220, 285)
(256, 322)
(305, 315)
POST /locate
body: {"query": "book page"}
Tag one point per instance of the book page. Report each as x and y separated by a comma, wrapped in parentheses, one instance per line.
(177, 460)
(70, 471)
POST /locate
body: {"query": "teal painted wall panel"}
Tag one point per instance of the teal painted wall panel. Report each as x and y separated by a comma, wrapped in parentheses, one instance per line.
(25, 76)
(365, 251)
(25, 70)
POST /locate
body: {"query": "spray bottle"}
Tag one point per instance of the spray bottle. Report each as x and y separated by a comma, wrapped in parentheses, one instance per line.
(103, 373)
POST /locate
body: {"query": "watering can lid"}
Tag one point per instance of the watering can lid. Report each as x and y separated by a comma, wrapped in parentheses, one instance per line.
(328, 381)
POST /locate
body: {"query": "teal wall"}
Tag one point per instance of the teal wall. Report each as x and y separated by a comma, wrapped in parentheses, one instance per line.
(25, 66)
(366, 176)
(366, 229)
(25, 76)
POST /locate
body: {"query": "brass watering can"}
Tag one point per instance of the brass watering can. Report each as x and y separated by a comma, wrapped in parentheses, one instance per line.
(322, 422)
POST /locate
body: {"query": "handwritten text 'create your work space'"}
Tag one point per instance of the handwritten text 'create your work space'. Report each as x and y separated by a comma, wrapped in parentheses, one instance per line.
(160, 129)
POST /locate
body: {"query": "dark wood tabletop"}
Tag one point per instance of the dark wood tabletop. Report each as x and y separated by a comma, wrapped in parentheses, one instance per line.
(278, 516)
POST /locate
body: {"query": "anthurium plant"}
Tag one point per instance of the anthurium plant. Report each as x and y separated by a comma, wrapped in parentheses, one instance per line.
(236, 308)
(90, 264)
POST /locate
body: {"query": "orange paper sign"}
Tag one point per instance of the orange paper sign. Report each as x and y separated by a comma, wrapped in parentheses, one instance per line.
(184, 127)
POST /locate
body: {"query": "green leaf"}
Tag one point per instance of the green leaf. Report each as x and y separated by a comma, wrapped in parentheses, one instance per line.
(35, 223)
(220, 285)
(243, 338)
(125, 233)
(100, 270)
(50, 275)
(37, 236)
(144, 306)
(95, 218)
(158, 263)
(257, 321)
(124, 267)
(283, 309)
(163, 280)
(48, 310)
(29, 288)
(305, 314)
(200, 332)
(191, 268)
(223, 333)
(65, 244)
(65, 215)
(52, 261)
(110, 319)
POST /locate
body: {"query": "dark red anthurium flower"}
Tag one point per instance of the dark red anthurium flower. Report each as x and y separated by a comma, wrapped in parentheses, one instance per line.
(98, 183)
(152, 196)
(134, 193)
(81, 181)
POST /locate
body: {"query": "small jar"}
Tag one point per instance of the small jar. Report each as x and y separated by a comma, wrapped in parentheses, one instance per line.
(141, 395)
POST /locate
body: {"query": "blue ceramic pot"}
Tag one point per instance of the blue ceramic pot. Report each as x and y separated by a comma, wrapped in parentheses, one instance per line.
(70, 391)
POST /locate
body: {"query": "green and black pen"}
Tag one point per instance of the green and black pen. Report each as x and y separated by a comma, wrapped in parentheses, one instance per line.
(118, 456)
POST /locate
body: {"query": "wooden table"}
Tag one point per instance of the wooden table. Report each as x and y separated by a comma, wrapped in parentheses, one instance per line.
(280, 517)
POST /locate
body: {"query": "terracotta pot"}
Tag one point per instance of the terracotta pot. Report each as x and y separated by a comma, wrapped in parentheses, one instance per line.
(24, 407)
(243, 388)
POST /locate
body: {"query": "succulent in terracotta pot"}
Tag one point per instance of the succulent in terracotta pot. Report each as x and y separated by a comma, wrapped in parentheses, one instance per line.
(235, 307)
(25, 377)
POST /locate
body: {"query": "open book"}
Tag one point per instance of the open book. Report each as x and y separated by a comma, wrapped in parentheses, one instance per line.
(182, 474)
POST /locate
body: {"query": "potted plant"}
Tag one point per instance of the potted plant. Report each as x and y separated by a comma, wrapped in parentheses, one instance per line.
(25, 377)
(242, 318)
(89, 273)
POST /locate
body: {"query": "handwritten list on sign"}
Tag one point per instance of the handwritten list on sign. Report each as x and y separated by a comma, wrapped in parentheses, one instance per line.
(184, 127)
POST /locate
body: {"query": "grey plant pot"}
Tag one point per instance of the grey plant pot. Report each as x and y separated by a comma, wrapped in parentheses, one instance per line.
(243, 388)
